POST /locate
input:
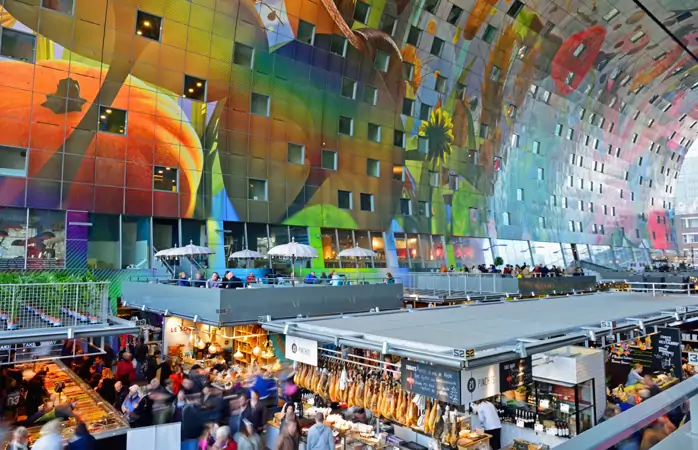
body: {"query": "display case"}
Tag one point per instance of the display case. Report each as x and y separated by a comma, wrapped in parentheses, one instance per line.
(568, 408)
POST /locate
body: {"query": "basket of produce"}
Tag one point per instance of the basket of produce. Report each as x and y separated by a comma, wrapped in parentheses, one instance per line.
(510, 395)
(520, 394)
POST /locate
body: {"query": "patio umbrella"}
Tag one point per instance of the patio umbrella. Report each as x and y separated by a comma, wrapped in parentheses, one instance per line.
(356, 253)
(246, 255)
(293, 250)
(188, 251)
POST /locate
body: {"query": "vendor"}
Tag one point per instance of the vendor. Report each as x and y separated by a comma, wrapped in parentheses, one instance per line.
(360, 415)
(635, 375)
(49, 412)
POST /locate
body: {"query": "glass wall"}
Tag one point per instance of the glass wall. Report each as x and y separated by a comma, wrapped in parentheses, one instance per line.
(13, 232)
(234, 241)
(547, 253)
(330, 247)
(568, 253)
(403, 259)
(624, 256)
(378, 246)
(602, 255)
(135, 242)
(257, 239)
(363, 240)
(415, 254)
(641, 255)
(512, 252)
(103, 242)
(46, 239)
(471, 252)
(438, 252)
(345, 239)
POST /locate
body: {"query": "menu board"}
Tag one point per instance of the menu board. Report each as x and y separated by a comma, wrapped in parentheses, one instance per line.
(666, 351)
(514, 374)
(436, 382)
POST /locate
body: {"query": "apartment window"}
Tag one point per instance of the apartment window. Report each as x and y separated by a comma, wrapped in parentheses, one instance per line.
(639, 162)
(437, 46)
(515, 140)
(243, 55)
(373, 167)
(408, 107)
(496, 71)
(617, 152)
(381, 61)
(553, 200)
(374, 132)
(515, 9)
(295, 153)
(590, 206)
(371, 95)
(621, 193)
(596, 144)
(366, 201)
(407, 71)
(147, 25)
(601, 121)
(61, 6)
(571, 225)
(259, 104)
(592, 116)
(194, 88)
(580, 205)
(650, 123)
(484, 130)
(582, 111)
(388, 24)
(558, 129)
(399, 173)
(596, 166)
(506, 217)
(546, 96)
(570, 133)
(441, 83)
(423, 209)
(489, 34)
(461, 90)
(586, 139)
(405, 207)
(338, 46)
(569, 78)
(613, 211)
(564, 202)
(329, 160)
(581, 161)
(635, 138)
(414, 35)
(581, 183)
(520, 195)
(594, 229)
(600, 188)
(532, 90)
(17, 45)
(632, 196)
(423, 144)
(344, 200)
(361, 11)
(13, 161)
(424, 111)
(637, 36)
(433, 179)
(591, 185)
(348, 88)
(541, 222)
(579, 227)
(570, 181)
(536, 147)
(258, 190)
(454, 15)
(511, 111)
(346, 125)
(399, 138)
(573, 159)
(605, 210)
(453, 181)
(112, 120)
(306, 32)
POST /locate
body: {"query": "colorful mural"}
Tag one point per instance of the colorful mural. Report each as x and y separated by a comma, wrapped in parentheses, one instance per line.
(456, 119)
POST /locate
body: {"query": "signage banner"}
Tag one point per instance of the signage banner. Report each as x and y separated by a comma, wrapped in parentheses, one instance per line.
(479, 383)
(666, 351)
(436, 382)
(301, 350)
(514, 374)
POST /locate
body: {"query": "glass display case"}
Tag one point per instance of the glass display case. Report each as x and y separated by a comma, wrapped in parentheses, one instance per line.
(567, 408)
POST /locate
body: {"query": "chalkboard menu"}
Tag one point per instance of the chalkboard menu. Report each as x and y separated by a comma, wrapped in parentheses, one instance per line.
(513, 374)
(666, 351)
(435, 382)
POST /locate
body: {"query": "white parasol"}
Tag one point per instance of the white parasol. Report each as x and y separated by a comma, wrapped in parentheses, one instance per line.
(188, 251)
(246, 254)
(356, 253)
(293, 250)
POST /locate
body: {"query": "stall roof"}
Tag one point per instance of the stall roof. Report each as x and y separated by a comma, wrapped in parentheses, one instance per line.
(496, 327)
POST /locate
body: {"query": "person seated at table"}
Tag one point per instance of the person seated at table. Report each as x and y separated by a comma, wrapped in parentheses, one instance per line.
(389, 279)
(323, 278)
(215, 280)
(231, 281)
(182, 280)
(336, 280)
(199, 280)
(311, 278)
(251, 278)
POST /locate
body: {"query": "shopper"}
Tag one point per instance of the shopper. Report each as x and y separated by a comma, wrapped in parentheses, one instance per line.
(635, 375)
(131, 401)
(140, 354)
(247, 438)
(207, 437)
(125, 372)
(82, 440)
(236, 407)
(224, 440)
(164, 367)
(651, 385)
(389, 278)
(255, 411)
(288, 438)
(489, 420)
(19, 439)
(178, 406)
(320, 435)
(50, 437)
(106, 387)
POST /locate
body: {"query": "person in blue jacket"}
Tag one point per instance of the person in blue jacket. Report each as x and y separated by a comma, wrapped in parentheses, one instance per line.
(82, 440)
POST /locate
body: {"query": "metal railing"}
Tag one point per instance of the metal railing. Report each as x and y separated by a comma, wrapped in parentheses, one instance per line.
(659, 287)
(450, 285)
(51, 305)
(272, 282)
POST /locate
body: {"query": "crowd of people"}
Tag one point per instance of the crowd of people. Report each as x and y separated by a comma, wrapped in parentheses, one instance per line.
(517, 271)
(232, 281)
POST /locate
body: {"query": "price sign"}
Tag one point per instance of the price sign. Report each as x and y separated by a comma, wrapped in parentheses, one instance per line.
(681, 309)
(693, 358)
(539, 427)
(564, 408)
(545, 404)
(551, 431)
(520, 423)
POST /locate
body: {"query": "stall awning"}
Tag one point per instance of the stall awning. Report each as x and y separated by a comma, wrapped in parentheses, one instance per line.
(495, 331)
(115, 326)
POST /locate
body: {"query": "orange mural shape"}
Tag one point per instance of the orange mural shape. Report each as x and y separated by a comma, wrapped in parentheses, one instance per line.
(478, 15)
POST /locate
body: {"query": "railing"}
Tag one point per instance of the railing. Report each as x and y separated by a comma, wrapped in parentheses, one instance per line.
(260, 283)
(46, 305)
(660, 287)
(449, 285)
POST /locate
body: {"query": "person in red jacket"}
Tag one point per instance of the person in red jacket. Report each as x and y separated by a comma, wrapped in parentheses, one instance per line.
(177, 379)
(125, 372)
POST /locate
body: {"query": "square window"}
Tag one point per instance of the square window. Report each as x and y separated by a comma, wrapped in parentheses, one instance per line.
(454, 15)
(424, 112)
(541, 173)
(165, 179)
(338, 45)
(489, 34)
(399, 138)
(361, 12)
(520, 195)
(441, 84)
(346, 125)
(17, 45)
(511, 111)
(496, 71)
(536, 147)
(433, 179)
(194, 88)
(423, 144)
(259, 104)
(258, 190)
(506, 218)
(371, 95)
(570, 133)
(407, 107)
(423, 209)
(61, 6)
(388, 24)
(374, 132)
(461, 91)
(148, 25)
(306, 32)
(344, 200)
(329, 160)
(407, 71)
(405, 207)
(515, 9)
(558, 129)
(295, 153)
(546, 96)
(348, 88)
(373, 167)
(430, 6)
(610, 15)
(414, 35)
(366, 201)
(381, 61)
(515, 140)
(484, 130)
(437, 46)
(112, 120)
(13, 161)
(399, 173)
(243, 55)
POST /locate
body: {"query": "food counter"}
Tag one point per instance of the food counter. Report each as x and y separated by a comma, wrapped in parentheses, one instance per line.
(102, 420)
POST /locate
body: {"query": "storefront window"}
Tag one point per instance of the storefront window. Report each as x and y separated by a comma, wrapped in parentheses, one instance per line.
(234, 241)
(438, 253)
(193, 232)
(363, 241)
(346, 241)
(471, 252)
(278, 235)
(568, 255)
(415, 253)
(103, 242)
(329, 247)
(641, 255)
(13, 225)
(425, 249)
(403, 260)
(624, 257)
(257, 240)
(547, 253)
(512, 252)
(300, 235)
(378, 246)
(602, 255)
(135, 242)
(46, 239)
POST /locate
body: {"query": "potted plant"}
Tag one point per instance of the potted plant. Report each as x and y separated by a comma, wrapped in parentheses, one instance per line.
(498, 261)
(521, 393)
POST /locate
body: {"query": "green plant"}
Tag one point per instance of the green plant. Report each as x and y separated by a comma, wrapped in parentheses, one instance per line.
(498, 261)
(522, 389)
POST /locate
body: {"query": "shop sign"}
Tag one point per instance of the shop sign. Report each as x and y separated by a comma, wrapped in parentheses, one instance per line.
(301, 350)
(436, 382)
(666, 351)
(479, 383)
(514, 374)
(693, 358)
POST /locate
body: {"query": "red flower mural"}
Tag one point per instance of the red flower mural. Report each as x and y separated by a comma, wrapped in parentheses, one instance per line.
(566, 63)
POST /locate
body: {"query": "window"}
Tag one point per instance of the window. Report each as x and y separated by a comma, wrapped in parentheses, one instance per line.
(573, 158)
(399, 173)
(423, 209)
(374, 132)
(295, 153)
(594, 229)
(637, 36)
(558, 129)
(582, 111)
(569, 78)
(635, 138)
(430, 6)
(441, 83)
(147, 25)
(511, 111)
(13, 161)
(581, 183)
(17, 45)
(591, 185)
(541, 222)
(506, 218)
(388, 24)
(423, 144)
(596, 144)
(613, 211)
(408, 107)
(489, 34)
(570, 134)
(515, 140)
(346, 125)
(590, 206)
(381, 61)
(520, 195)
(546, 96)
(62, 6)
(348, 88)
(553, 200)
(601, 121)
(258, 190)
(600, 188)
(344, 200)
(564, 202)
(112, 120)
(424, 111)
(617, 153)
(338, 46)
(361, 11)
(243, 55)
(437, 46)
(454, 15)
(194, 88)
(366, 201)
(461, 91)
(329, 160)
(496, 71)
(405, 207)
(453, 181)
(407, 71)
(433, 179)
(532, 90)
(579, 227)
(371, 95)
(306, 32)
(536, 147)
(414, 35)
(650, 123)
(639, 162)
(570, 181)
(399, 138)
(610, 15)
(259, 104)
(580, 205)
(484, 130)
(586, 139)
(571, 225)
(621, 193)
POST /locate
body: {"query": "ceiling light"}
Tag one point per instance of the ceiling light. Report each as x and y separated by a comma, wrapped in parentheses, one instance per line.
(108, 111)
(146, 23)
(199, 84)
(102, 117)
(238, 355)
(139, 33)
(191, 89)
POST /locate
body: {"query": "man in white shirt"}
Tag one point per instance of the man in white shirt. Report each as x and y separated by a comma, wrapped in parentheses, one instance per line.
(487, 414)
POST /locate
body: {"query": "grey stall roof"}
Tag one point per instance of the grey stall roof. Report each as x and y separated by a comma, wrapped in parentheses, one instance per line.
(493, 325)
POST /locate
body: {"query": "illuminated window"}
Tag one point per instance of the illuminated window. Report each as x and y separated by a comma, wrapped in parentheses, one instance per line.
(148, 26)
(399, 173)
(112, 120)
(165, 179)
(17, 45)
(515, 140)
(194, 88)
(13, 161)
